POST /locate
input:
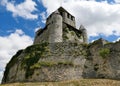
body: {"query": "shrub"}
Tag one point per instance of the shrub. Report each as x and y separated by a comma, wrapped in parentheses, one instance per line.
(33, 54)
(43, 63)
(66, 30)
(72, 33)
(66, 63)
(104, 52)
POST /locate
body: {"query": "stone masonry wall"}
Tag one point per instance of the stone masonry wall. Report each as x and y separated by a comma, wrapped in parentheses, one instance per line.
(44, 37)
(55, 29)
(64, 61)
(52, 62)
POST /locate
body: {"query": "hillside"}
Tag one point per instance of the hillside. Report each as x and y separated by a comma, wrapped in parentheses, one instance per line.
(82, 82)
(50, 62)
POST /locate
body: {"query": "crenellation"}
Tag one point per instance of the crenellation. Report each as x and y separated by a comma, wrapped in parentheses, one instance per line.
(55, 25)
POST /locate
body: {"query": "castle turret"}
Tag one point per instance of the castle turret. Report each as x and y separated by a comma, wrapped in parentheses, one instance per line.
(60, 26)
(84, 34)
(55, 27)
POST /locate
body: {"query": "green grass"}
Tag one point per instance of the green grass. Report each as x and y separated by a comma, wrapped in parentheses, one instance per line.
(81, 82)
(50, 64)
(33, 57)
(104, 52)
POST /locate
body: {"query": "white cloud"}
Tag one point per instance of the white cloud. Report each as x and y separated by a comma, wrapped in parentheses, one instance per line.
(118, 39)
(51, 5)
(24, 9)
(43, 16)
(117, 1)
(36, 29)
(97, 17)
(1, 73)
(9, 45)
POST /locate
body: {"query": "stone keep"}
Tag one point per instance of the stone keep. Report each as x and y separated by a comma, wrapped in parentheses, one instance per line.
(60, 27)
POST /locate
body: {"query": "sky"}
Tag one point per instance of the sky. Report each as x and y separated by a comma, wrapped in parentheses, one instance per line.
(20, 19)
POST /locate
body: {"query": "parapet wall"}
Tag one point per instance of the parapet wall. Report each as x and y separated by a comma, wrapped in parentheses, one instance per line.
(42, 37)
(60, 33)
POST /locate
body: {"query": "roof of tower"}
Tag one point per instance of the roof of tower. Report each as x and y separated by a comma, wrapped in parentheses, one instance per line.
(61, 9)
(81, 27)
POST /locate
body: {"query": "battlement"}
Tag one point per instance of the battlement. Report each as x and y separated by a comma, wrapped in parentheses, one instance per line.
(60, 27)
(66, 17)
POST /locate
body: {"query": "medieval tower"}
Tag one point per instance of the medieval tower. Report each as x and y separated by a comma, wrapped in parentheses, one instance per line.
(61, 27)
(59, 54)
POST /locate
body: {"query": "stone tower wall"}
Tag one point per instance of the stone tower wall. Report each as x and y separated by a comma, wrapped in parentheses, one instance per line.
(55, 28)
(85, 38)
(71, 34)
(69, 19)
(44, 37)
(57, 24)
(84, 34)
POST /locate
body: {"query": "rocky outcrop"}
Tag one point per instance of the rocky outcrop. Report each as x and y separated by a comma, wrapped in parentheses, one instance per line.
(103, 60)
(64, 61)
(46, 62)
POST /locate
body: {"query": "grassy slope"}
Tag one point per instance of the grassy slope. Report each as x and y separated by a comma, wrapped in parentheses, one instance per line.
(82, 82)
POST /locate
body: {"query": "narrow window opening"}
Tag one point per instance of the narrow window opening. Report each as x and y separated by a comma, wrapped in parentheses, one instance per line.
(72, 18)
(67, 15)
(61, 14)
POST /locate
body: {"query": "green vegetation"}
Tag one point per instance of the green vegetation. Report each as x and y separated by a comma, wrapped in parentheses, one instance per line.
(85, 45)
(43, 63)
(72, 33)
(50, 64)
(66, 63)
(66, 30)
(104, 52)
(33, 54)
(30, 67)
(37, 47)
(65, 37)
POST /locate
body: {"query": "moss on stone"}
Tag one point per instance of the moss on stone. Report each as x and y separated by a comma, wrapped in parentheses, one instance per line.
(66, 30)
(50, 64)
(104, 52)
(72, 33)
(35, 53)
(66, 63)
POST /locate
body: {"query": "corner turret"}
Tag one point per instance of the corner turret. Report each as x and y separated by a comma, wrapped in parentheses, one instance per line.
(84, 34)
(55, 27)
